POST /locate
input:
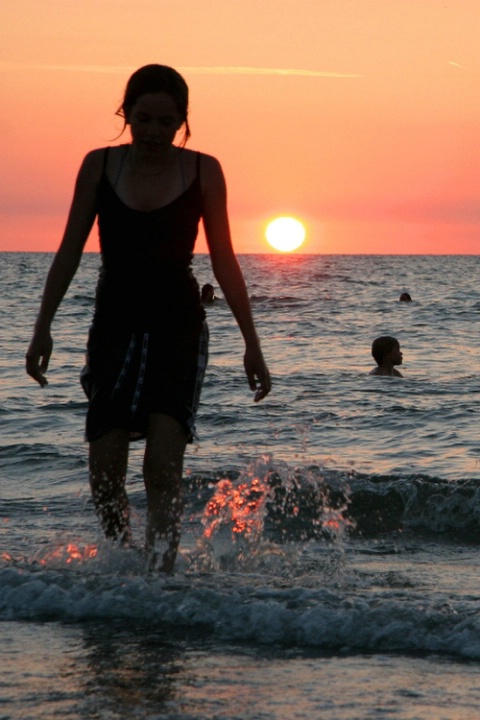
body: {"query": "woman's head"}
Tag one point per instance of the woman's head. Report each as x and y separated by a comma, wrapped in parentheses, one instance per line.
(154, 79)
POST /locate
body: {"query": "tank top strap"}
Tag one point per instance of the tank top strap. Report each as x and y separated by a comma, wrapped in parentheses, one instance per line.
(105, 159)
(120, 166)
(106, 154)
(182, 170)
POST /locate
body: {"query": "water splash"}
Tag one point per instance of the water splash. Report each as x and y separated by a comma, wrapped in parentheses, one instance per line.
(65, 554)
(233, 522)
(264, 519)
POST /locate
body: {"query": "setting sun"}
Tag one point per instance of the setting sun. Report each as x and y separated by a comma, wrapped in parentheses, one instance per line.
(285, 234)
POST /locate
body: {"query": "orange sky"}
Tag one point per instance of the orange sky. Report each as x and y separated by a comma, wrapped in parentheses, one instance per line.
(359, 117)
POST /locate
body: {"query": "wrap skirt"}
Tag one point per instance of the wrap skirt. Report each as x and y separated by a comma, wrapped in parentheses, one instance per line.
(129, 376)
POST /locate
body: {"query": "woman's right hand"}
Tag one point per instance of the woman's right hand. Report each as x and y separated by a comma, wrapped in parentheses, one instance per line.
(38, 356)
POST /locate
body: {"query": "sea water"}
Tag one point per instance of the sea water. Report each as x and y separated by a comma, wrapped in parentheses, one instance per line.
(329, 558)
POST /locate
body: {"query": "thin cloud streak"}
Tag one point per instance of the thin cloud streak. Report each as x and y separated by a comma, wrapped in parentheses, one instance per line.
(458, 65)
(220, 70)
(206, 70)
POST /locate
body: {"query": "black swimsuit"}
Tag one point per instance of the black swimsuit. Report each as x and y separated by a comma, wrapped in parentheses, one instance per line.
(148, 344)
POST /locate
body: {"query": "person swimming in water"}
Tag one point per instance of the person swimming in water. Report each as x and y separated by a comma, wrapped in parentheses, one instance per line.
(386, 353)
(207, 295)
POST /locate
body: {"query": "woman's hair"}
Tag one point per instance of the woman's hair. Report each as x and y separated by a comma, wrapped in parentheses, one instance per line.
(381, 346)
(153, 79)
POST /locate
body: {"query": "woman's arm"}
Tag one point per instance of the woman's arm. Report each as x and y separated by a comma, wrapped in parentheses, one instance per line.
(64, 266)
(228, 273)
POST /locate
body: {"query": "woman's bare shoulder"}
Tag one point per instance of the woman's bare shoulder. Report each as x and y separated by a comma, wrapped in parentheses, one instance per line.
(94, 157)
(210, 163)
(207, 162)
(94, 161)
(211, 173)
(92, 165)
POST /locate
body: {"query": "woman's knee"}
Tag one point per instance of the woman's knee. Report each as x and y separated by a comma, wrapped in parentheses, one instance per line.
(165, 447)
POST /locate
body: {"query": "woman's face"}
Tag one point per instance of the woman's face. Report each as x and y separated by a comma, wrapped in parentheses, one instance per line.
(154, 121)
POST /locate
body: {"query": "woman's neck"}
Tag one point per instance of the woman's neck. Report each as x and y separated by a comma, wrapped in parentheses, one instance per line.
(146, 163)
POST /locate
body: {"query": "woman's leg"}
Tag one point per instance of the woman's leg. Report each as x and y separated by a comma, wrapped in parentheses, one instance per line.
(162, 472)
(108, 472)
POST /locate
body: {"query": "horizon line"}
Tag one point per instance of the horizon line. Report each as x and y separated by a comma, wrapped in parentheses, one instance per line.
(287, 254)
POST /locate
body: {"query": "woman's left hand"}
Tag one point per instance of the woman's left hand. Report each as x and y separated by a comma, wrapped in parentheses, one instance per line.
(257, 373)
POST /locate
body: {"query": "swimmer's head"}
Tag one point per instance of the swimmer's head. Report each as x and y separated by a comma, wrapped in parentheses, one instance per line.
(208, 293)
(405, 297)
(384, 346)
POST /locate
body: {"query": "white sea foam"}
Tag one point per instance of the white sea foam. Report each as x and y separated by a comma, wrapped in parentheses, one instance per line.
(242, 608)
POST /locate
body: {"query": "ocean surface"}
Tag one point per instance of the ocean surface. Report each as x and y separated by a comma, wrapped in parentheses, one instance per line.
(329, 564)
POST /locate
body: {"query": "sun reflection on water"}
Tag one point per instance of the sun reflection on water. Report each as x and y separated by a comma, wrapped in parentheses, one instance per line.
(238, 506)
(70, 553)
